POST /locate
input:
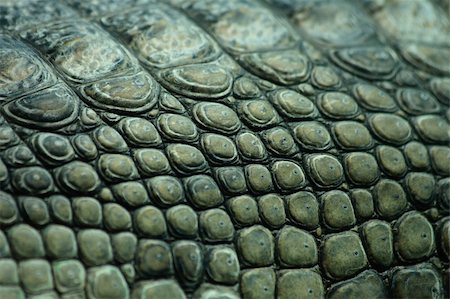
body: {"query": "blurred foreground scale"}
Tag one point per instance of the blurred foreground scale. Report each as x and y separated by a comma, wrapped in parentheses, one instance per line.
(224, 149)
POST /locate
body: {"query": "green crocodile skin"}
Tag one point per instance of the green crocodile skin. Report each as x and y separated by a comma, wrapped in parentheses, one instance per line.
(223, 149)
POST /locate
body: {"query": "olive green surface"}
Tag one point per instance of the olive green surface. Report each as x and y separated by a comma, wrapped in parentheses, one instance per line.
(223, 149)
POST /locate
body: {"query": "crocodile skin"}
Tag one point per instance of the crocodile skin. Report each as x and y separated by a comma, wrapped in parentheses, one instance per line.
(222, 149)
